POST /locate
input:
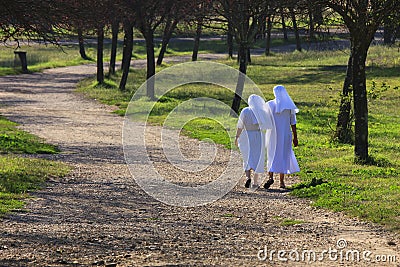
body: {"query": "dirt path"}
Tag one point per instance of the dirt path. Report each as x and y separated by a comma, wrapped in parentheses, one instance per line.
(97, 215)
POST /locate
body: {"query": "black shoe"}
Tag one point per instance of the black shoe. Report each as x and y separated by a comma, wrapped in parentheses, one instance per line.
(247, 184)
(268, 183)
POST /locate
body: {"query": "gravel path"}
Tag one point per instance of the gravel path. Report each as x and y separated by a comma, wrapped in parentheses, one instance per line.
(98, 216)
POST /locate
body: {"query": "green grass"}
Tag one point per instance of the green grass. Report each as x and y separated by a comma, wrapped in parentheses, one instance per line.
(40, 57)
(290, 222)
(287, 221)
(14, 140)
(314, 80)
(205, 128)
(19, 175)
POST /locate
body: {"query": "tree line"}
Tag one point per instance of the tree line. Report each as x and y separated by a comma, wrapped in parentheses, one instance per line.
(244, 21)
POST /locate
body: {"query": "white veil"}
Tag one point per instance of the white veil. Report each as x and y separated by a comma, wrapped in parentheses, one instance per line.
(263, 116)
(283, 100)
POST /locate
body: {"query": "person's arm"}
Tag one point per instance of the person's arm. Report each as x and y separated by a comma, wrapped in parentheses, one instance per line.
(240, 125)
(293, 122)
(238, 132)
(294, 131)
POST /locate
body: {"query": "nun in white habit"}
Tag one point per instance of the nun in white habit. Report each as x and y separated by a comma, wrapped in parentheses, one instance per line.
(280, 152)
(253, 122)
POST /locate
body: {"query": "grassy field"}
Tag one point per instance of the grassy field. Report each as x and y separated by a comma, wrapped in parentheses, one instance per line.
(314, 80)
(41, 57)
(18, 174)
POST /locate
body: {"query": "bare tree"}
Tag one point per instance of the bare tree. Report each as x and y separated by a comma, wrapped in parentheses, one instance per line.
(245, 19)
(295, 28)
(391, 27)
(81, 43)
(114, 45)
(30, 20)
(180, 11)
(229, 37)
(362, 19)
(344, 133)
(149, 14)
(196, 46)
(283, 21)
(170, 25)
(127, 53)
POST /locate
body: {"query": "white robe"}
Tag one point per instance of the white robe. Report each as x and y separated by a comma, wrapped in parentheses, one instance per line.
(281, 158)
(251, 142)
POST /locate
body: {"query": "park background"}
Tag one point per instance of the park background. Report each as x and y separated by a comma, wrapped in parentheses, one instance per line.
(302, 46)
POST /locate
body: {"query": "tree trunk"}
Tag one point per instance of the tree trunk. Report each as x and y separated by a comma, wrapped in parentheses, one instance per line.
(169, 29)
(20, 60)
(343, 127)
(318, 14)
(296, 30)
(197, 40)
(241, 79)
(268, 39)
(284, 29)
(359, 52)
(114, 43)
(230, 41)
(124, 46)
(81, 42)
(311, 30)
(151, 66)
(127, 55)
(100, 46)
(389, 31)
(262, 31)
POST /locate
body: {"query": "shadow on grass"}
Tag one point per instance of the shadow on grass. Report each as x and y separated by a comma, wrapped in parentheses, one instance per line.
(313, 183)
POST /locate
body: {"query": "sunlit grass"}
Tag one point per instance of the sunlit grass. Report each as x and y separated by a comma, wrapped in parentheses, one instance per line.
(19, 175)
(41, 56)
(13, 140)
(314, 80)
